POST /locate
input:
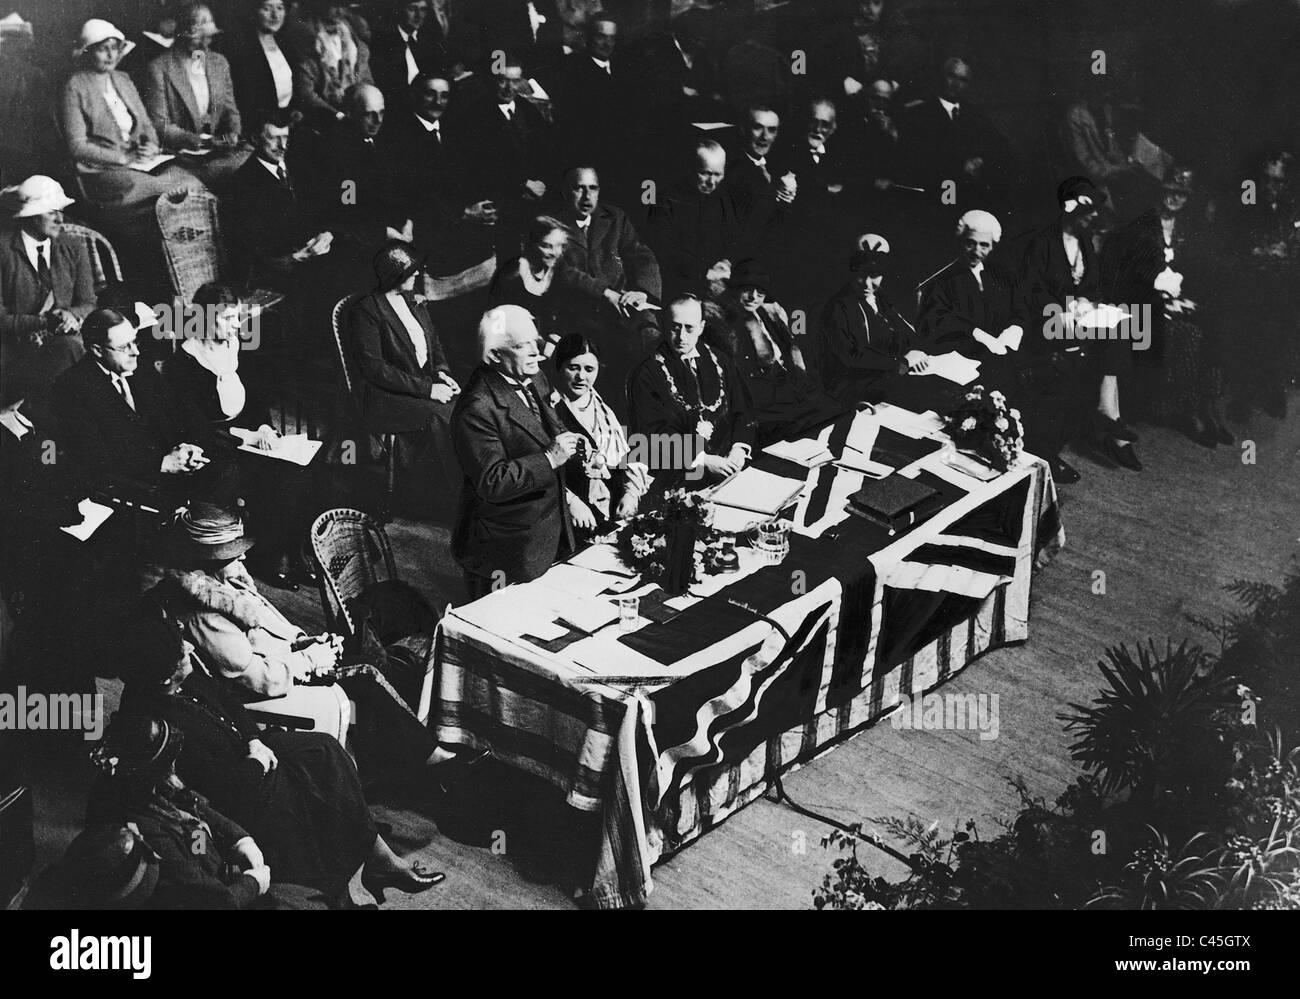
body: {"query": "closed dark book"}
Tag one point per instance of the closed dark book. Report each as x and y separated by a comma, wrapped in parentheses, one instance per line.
(894, 502)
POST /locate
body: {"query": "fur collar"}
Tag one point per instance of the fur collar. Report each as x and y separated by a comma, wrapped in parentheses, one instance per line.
(218, 595)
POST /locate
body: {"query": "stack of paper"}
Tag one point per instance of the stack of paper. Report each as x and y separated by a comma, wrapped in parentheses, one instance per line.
(955, 367)
(807, 452)
(757, 491)
(907, 423)
(603, 559)
(584, 613)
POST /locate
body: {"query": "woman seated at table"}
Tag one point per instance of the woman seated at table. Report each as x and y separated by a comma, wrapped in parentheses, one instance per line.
(606, 486)
(529, 280)
(297, 793)
(755, 333)
(336, 60)
(243, 636)
(205, 370)
(109, 135)
(191, 99)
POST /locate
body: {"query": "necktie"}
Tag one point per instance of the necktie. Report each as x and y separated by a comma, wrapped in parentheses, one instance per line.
(508, 111)
(124, 390)
(43, 269)
(762, 166)
(283, 174)
(956, 111)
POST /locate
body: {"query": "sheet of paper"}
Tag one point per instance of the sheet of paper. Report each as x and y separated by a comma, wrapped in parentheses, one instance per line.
(711, 126)
(732, 521)
(546, 631)
(909, 424)
(93, 516)
(584, 613)
(602, 558)
(863, 432)
(806, 451)
(759, 491)
(955, 367)
(1105, 317)
(296, 448)
(856, 461)
(16, 423)
(147, 166)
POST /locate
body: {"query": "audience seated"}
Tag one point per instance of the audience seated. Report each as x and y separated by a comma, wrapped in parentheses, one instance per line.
(109, 135)
(297, 793)
(692, 393)
(124, 430)
(530, 280)
(612, 280)
(191, 99)
(245, 638)
(513, 521)
(403, 49)
(46, 291)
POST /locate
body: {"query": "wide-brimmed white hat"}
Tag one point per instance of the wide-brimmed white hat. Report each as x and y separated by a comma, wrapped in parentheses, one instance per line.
(35, 196)
(97, 30)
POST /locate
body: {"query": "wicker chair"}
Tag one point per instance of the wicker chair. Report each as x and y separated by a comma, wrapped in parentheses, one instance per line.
(191, 239)
(352, 553)
(350, 378)
(104, 264)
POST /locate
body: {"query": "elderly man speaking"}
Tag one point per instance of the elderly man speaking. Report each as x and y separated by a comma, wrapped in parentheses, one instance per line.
(513, 521)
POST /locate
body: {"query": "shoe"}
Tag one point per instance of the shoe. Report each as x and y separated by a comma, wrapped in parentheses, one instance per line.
(1198, 431)
(1121, 454)
(412, 881)
(1116, 428)
(459, 769)
(1064, 473)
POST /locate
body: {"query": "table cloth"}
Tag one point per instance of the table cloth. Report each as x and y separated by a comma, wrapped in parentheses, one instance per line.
(665, 731)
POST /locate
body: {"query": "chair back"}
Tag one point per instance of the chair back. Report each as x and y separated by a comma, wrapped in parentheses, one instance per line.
(352, 553)
(336, 324)
(104, 264)
(191, 239)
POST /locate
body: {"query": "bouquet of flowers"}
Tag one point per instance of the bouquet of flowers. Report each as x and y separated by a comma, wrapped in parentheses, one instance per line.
(660, 543)
(984, 425)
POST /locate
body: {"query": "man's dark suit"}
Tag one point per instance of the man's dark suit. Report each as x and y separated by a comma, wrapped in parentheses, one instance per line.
(388, 62)
(657, 409)
(27, 370)
(267, 222)
(862, 348)
(608, 253)
(498, 156)
(111, 446)
(598, 116)
(430, 171)
(935, 148)
(513, 514)
(953, 306)
(394, 389)
(690, 232)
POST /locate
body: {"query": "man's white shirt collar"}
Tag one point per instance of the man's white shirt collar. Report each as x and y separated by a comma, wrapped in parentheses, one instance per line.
(114, 375)
(429, 126)
(30, 243)
(760, 161)
(602, 63)
(274, 168)
(583, 221)
(507, 106)
(949, 107)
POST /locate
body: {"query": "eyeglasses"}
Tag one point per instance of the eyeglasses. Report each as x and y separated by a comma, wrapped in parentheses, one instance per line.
(131, 347)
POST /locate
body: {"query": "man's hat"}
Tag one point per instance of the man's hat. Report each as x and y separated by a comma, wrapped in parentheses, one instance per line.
(207, 533)
(36, 195)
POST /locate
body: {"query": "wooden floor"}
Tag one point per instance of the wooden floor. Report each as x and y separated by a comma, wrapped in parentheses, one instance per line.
(1167, 540)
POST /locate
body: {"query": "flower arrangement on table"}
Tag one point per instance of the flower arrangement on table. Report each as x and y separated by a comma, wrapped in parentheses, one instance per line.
(985, 426)
(665, 544)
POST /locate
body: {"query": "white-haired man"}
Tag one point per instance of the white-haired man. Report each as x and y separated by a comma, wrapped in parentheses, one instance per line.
(973, 306)
(512, 522)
